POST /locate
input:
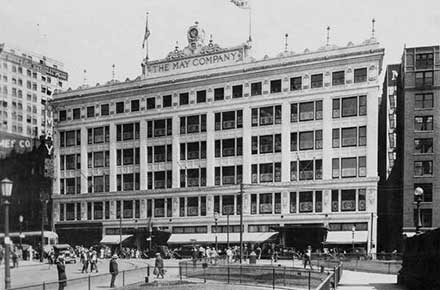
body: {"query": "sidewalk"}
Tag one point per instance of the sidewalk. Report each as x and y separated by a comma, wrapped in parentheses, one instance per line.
(25, 263)
(352, 280)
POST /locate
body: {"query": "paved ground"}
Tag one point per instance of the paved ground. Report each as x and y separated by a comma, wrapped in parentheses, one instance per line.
(35, 273)
(368, 281)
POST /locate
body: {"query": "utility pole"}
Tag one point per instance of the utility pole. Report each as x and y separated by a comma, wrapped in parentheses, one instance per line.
(241, 222)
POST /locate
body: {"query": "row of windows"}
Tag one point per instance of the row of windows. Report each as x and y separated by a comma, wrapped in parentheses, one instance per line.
(296, 83)
(233, 119)
(263, 203)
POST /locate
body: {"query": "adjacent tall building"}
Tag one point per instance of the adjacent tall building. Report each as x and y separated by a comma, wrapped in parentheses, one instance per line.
(27, 82)
(169, 149)
(408, 144)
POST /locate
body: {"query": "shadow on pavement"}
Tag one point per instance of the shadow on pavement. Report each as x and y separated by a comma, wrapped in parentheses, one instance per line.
(384, 286)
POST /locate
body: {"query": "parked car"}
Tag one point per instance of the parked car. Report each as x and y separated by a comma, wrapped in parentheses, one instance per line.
(69, 256)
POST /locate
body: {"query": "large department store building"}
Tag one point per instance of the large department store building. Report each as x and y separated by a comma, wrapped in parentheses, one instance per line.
(169, 149)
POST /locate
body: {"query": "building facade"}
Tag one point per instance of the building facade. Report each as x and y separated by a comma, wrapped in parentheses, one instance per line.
(170, 148)
(27, 82)
(420, 91)
(390, 199)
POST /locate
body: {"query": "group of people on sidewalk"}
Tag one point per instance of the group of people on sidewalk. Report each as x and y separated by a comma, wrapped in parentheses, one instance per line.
(158, 271)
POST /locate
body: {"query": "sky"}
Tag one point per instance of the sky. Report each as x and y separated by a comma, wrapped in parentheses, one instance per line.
(93, 35)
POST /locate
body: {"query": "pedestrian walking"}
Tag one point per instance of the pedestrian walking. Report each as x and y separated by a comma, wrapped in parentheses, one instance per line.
(113, 269)
(158, 266)
(61, 268)
(307, 257)
(14, 259)
(85, 260)
(94, 262)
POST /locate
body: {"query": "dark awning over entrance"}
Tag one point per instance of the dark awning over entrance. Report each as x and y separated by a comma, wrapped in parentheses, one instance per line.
(86, 234)
(300, 236)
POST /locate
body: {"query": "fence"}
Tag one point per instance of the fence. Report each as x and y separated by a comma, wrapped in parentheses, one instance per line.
(264, 275)
(99, 281)
(360, 263)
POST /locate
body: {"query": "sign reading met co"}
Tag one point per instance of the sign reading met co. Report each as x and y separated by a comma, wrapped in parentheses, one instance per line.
(227, 57)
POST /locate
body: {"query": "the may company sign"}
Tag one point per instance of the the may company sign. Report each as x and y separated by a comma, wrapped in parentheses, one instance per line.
(200, 61)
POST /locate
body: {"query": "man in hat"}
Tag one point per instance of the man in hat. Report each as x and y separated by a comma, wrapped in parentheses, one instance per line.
(113, 270)
(61, 268)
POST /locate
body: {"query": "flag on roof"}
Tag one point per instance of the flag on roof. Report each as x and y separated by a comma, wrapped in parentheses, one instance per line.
(147, 33)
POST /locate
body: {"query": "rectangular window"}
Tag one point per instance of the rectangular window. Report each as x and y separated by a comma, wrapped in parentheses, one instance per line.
(167, 101)
(266, 172)
(266, 144)
(348, 167)
(338, 78)
(360, 75)
(424, 101)
(306, 140)
(318, 110)
(183, 99)
(362, 166)
(151, 103)
(62, 115)
(424, 60)
(423, 123)
(335, 168)
(105, 109)
(306, 170)
(90, 112)
(292, 202)
(201, 96)
(423, 168)
(219, 94)
(265, 203)
(318, 201)
(237, 91)
(318, 139)
(305, 201)
(349, 137)
(318, 168)
(424, 79)
(336, 112)
(362, 105)
(348, 200)
(293, 113)
(349, 107)
(425, 217)
(256, 89)
(316, 81)
(275, 86)
(295, 83)
(293, 141)
(423, 145)
(119, 107)
(293, 171)
(362, 199)
(363, 136)
(306, 111)
(335, 200)
(134, 105)
(266, 116)
(76, 114)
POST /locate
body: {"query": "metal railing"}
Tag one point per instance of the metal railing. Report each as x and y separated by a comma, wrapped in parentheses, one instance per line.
(276, 277)
(125, 277)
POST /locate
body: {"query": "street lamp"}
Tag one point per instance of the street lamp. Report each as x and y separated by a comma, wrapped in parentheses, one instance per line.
(353, 229)
(6, 187)
(20, 219)
(418, 195)
(216, 230)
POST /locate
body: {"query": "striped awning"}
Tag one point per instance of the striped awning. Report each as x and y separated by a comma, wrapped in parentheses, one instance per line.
(221, 238)
(114, 239)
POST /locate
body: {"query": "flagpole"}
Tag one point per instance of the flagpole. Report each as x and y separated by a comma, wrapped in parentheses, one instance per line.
(250, 24)
(146, 56)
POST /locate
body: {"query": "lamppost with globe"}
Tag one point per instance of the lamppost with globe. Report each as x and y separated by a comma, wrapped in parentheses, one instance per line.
(418, 196)
(6, 187)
